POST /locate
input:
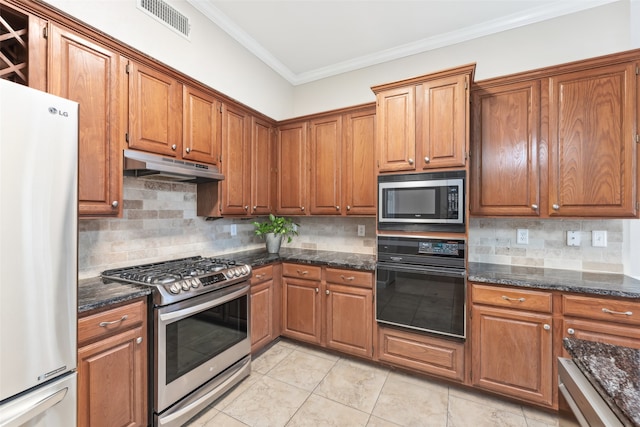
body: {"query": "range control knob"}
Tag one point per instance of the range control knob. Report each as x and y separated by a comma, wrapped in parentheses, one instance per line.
(185, 285)
(174, 288)
(195, 283)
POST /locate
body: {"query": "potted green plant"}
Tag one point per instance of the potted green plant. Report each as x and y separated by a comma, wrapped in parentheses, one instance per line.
(274, 230)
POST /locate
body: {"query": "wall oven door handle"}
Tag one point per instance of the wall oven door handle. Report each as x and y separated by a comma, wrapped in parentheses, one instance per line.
(450, 272)
(221, 298)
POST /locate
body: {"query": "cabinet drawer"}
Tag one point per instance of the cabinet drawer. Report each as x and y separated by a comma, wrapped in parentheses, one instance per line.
(302, 271)
(513, 298)
(262, 274)
(350, 277)
(601, 309)
(105, 323)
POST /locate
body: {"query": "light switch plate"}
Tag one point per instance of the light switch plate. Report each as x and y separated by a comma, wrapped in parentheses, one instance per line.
(573, 238)
(599, 238)
(361, 230)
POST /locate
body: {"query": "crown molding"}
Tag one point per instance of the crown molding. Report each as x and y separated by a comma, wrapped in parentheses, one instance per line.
(528, 17)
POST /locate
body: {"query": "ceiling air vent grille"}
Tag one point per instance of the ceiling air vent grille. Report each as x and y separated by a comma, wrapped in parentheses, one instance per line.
(167, 15)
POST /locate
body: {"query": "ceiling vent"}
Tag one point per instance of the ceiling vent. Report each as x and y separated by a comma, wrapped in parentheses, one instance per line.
(166, 14)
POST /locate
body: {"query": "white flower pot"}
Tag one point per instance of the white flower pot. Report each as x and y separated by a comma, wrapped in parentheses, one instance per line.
(273, 242)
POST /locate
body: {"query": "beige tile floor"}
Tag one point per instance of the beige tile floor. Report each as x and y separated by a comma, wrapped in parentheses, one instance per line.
(295, 385)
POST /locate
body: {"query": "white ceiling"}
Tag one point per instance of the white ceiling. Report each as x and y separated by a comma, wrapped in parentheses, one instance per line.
(307, 40)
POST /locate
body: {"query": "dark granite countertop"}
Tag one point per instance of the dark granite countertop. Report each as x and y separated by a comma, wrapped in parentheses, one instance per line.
(94, 294)
(260, 257)
(614, 372)
(615, 285)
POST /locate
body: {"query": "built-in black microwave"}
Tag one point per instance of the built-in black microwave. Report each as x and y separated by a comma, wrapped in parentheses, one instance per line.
(432, 201)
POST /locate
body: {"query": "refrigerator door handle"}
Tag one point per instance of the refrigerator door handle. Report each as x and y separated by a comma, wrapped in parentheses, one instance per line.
(22, 415)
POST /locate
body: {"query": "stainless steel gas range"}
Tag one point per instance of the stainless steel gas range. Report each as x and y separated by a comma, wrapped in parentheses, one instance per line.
(201, 341)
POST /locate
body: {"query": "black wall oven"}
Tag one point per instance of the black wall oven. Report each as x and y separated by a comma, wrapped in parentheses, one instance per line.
(421, 202)
(421, 284)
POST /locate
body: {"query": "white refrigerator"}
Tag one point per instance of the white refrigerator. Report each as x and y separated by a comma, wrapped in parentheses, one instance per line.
(38, 257)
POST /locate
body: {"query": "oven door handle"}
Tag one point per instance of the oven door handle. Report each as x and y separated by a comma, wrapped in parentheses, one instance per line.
(450, 272)
(221, 299)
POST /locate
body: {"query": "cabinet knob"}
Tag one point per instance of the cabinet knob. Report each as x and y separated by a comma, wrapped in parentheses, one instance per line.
(546, 327)
(555, 206)
(302, 208)
(534, 207)
(139, 340)
(188, 150)
(410, 161)
(115, 204)
(317, 290)
(173, 147)
(246, 208)
(571, 331)
(255, 207)
(337, 208)
(348, 207)
(327, 292)
(427, 160)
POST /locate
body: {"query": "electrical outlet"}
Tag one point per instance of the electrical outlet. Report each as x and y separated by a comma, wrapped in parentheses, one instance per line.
(361, 230)
(599, 238)
(522, 236)
(573, 238)
(233, 229)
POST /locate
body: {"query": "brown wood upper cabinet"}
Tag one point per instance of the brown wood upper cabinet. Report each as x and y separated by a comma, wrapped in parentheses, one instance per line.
(422, 123)
(592, 166)
(155, 111)
(236, 161)
(89, 74)
(201, 126)
(291, 159)
(557, 142)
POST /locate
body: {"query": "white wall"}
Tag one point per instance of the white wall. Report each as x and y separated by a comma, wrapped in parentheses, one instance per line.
(210, 56)
(593, 32)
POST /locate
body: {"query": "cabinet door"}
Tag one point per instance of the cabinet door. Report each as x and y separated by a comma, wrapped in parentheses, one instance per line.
(301, 315)
(261, 167)
(112, 381)
(291, 159)
(349, 319)
(261, 315)
(155, 111)
(235, 164)
(505, 173)
(325, 154)
(358, 167)
(88, 74)
(202, 114)
(591, 142)
(396, 116)
(442, 121)
(512, 353)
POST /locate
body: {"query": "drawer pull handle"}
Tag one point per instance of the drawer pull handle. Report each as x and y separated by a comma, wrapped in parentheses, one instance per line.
(105, 324)
(625, 313)
(506, 298)
(305, 272)
(259, 276)
(347, 278)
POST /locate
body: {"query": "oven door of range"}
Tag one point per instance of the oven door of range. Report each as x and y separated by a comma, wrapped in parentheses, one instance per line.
(197, 339)
(430, 299)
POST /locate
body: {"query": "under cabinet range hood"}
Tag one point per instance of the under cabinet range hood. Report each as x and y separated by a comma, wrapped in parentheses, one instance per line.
(148, 165)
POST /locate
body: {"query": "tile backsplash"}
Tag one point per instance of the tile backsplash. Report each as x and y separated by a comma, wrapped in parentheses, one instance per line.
(494, 240)
(159, 222)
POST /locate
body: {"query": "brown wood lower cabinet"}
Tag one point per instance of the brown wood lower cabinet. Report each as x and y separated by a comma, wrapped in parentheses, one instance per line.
(329, 307)
(512, 342)
(437, 356)
(112, 367)
(265, 307)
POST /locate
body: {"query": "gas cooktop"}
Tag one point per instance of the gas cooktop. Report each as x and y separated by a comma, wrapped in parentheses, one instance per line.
(184, 278)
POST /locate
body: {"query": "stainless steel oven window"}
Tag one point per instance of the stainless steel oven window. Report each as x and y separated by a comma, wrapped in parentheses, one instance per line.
(422, 298)
(414, 187)
(197, 339)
